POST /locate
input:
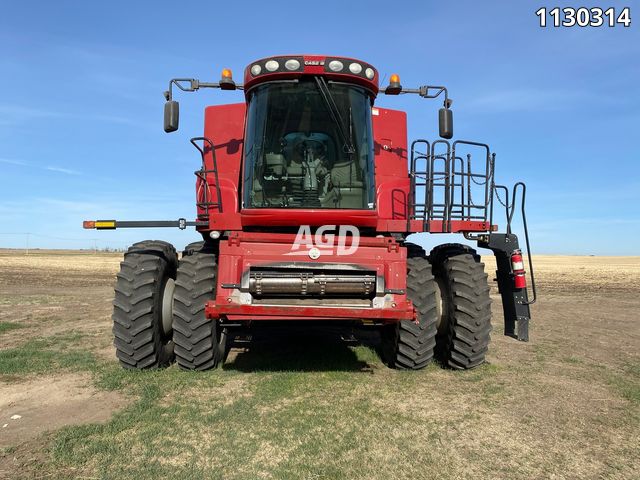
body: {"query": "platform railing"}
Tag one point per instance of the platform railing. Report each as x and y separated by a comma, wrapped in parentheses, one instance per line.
(444, 185)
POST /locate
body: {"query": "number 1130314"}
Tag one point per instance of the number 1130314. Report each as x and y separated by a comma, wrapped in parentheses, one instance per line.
(584, 17)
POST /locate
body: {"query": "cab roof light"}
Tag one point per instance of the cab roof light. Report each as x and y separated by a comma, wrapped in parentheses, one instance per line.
(272, 65)
(226, 80)
(336, 65)
(394, 87)
(355, 68)
(256, 69)
(292, 64)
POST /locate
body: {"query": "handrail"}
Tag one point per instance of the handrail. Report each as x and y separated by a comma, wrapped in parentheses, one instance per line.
(526, 234)
(204, 171)
(510, 208)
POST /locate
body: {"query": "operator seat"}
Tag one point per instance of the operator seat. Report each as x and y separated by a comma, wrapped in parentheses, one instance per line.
(348, 189)
(276, 164)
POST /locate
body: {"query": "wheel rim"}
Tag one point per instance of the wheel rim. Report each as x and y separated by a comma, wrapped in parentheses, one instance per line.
(440, 289)
(167, 306)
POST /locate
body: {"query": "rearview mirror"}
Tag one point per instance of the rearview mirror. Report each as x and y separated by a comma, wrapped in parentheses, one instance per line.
(445, 122)
(171, 116)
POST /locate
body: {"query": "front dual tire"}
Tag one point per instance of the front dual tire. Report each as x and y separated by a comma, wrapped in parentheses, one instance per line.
(158, 313)
(450, 293)
(200, 342)
(465, 322)
(409, 345)
(142, 306)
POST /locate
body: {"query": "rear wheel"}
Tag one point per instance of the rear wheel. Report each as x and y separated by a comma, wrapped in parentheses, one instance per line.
(199, 341)
(192, 248)
(160, 248)
(464, 325)
(142, 305)
(409, 345)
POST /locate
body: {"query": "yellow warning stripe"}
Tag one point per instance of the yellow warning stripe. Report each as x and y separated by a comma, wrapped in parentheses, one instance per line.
(105, 224)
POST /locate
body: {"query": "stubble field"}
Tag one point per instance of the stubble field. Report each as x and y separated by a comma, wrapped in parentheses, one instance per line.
(564, 405)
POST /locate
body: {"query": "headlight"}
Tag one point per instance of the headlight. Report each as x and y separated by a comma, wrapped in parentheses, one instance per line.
(255, 70)
(355, 68)
(292, 64)
(272, 65)
(369, 73)
(335, 65)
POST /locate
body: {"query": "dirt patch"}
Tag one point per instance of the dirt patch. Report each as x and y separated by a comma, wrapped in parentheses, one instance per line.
(56, 293)
(25, 460)
(30, 408)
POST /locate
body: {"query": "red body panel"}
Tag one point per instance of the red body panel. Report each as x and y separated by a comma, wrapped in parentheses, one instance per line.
(236, 312)
(243, 250)
(295, 217)
(224, 126)
(391, 166)
(435, 226)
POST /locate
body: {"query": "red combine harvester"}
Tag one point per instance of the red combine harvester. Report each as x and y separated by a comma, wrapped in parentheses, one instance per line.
(304, 204)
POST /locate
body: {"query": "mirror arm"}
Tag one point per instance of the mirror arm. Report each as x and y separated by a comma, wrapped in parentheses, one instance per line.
(445, 115)
(426, 92)
(172, 108)
(191, 85)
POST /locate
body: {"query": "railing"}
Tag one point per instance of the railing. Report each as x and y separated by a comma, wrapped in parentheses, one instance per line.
(207, 203)
(445, 187)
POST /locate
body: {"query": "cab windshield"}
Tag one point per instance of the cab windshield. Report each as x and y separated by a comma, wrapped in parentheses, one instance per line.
(308, 144)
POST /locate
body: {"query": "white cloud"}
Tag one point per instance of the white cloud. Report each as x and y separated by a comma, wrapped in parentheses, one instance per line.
(51, 168)
(68, 171)
(11, 161)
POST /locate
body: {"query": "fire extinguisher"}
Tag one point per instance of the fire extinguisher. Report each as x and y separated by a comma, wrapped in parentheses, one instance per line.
(517, 267)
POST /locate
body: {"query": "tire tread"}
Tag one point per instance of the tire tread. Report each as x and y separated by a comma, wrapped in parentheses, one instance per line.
(410, 345)
(465, 342)
(193, 333)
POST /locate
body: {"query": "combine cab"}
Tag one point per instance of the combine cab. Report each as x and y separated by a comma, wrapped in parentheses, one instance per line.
(305, 198)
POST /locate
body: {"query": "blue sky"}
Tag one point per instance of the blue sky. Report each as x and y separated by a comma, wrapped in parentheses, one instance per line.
(81, 106)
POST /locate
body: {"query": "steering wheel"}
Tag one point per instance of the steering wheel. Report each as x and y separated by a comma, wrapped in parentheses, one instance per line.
(317, 146)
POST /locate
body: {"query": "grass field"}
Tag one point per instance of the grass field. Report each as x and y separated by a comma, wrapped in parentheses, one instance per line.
(565, 405)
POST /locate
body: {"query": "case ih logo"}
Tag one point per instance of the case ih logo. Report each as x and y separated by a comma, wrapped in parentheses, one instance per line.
(324, 241)
(314, 62)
